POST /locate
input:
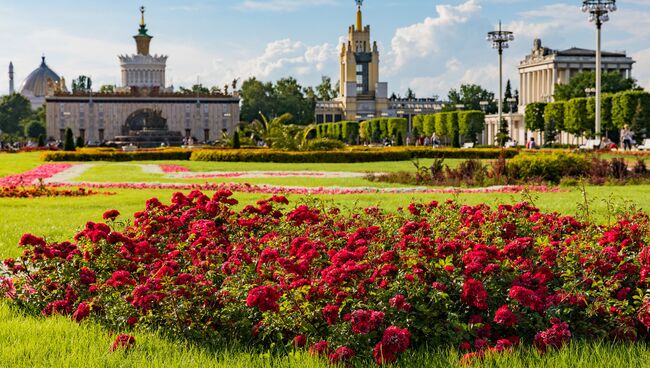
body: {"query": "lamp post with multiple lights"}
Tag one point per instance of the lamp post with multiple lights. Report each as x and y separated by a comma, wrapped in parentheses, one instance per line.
(499, 40)
(598, 13)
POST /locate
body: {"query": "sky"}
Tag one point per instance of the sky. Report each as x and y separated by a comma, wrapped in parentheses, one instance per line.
(429, 46)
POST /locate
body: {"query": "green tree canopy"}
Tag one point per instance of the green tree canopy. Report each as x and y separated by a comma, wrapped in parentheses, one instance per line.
(13, 109)
(612, 82)
(82, 84)
(325, 91)
(471, 95)
(534, 116)
(34, 129)
(286, 96)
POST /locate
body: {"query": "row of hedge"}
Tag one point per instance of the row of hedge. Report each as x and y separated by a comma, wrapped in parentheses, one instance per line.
(452, 125)
(347, 156)
(117, 156)
(383, 128)
(346, 131)
(577, 116)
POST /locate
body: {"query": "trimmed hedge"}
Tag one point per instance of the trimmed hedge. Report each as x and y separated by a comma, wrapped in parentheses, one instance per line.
(552, 167)
(381, 128)
(343, 130)
(346, 156)
(103, 155)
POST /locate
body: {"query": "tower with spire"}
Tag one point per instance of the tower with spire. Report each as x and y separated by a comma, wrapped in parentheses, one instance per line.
(143, 70)
(359, 72)
(11, 78)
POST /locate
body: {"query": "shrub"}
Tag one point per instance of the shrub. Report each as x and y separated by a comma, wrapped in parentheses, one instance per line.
(105, 155)
(235, 140)
(358, 285)
(68, 144)
(80, 142)
(551, 167)
(346, 156)
(324, 144)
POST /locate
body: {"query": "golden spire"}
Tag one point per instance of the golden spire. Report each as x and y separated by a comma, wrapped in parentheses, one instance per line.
(142, 24)
(359, 19)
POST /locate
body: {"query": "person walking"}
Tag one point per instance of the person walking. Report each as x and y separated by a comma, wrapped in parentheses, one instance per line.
(626, 136)
(531, 144)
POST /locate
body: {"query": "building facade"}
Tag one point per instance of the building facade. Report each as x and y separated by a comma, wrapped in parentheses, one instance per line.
(543, 68)
(539, 73)
(361, 95)
(101, 117)
(40, 83)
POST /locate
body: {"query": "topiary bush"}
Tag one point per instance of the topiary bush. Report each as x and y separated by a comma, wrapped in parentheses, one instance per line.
(324, 144)
(551, 167)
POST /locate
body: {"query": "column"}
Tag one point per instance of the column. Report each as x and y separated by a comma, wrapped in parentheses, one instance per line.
(522, 88)
(553, 80)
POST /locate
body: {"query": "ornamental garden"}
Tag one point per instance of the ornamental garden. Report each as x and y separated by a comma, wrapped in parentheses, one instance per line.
(356, 256)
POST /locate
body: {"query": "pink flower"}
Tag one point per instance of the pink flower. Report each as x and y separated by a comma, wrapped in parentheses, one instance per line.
(341, 355)
(555, 337)
(320, 348)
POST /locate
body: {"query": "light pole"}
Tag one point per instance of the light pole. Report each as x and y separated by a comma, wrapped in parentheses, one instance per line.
(598, 13)
(590, 92)
(499, 40)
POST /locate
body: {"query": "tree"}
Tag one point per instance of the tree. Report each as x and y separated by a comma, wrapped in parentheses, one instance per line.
(14, 108)
(507, 95)
(612, 82)
(256, 98)
(534, 116)
(34, 129)
(554, 112)
(410, 95)
(503, 135)
(196, 89)
(325, 91)
(82, 84)
(289, 98)
(640, 123)
(236, 144)
(107, 88)
(576, 119)
(471, 95)
(550, 132)
(471, 124)
(68, 144)
(80, 142)
(625, 107)
(41, 140)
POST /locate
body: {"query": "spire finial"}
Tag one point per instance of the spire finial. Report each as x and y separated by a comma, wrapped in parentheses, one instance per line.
(142, 9)
(359, 15)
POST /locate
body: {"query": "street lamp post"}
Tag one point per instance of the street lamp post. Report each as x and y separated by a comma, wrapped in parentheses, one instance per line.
(499, 40)
(598, 13)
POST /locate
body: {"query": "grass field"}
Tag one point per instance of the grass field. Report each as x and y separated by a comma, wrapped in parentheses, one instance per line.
(31, 341)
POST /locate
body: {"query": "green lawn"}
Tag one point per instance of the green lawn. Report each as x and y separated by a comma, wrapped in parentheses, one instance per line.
(30, 341)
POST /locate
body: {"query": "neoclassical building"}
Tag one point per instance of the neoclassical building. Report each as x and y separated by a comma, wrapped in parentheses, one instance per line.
(101, 117)
(543, 68)
(40, 83)
(362, 95)
(540, 72)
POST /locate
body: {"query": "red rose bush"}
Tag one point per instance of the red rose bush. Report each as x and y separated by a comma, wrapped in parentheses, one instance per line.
(347, 287)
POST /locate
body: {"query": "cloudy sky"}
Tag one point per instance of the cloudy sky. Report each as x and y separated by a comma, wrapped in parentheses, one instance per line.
(430, 46)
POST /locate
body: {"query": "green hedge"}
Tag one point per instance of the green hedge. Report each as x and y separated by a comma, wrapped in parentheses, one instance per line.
(346, 131)
(552, 167)
(382, 128)
(103, 155)
(347, 156)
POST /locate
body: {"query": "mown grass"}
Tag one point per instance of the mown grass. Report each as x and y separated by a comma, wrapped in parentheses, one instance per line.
(31, 341)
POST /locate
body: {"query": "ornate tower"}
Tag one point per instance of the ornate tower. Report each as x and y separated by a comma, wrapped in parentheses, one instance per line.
(359, 65)
(11, 78)
(143, 70)
(142, 39)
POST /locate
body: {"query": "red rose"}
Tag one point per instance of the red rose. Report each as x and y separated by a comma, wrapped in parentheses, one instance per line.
(395, 340)
(331, 314)
(83, 311)
(265, 298)
(320, 348)
(474, 294)
(110, 214)
(342, 354)
(123, 341)
(299, 341)
(505, 317)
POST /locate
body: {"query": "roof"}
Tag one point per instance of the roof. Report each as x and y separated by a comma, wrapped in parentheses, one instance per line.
(576, 51)
(36, 82)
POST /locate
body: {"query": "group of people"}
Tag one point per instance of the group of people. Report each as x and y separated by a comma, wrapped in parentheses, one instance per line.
(424, 141)
(627, 140)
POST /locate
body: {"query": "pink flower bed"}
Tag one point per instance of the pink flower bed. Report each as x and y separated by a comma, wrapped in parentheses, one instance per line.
(173, 168)
(31, 177)
(347, 287)
(271, 189)
(270, 174)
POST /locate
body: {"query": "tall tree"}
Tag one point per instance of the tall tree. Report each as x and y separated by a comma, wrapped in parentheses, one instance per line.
(410, 95)
(471, 95)
(82, 84)
(325, 91)
(256, 98)
(289, 97)
(14, 108)
(612, 82)
(507, 95)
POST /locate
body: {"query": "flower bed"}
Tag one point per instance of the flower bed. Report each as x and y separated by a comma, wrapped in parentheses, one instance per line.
(44, 191)
(174, 169)
(276, 189)
(349, 287)
(31, 177)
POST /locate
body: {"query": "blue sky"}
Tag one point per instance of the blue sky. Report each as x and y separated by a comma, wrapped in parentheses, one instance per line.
(427, 45)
